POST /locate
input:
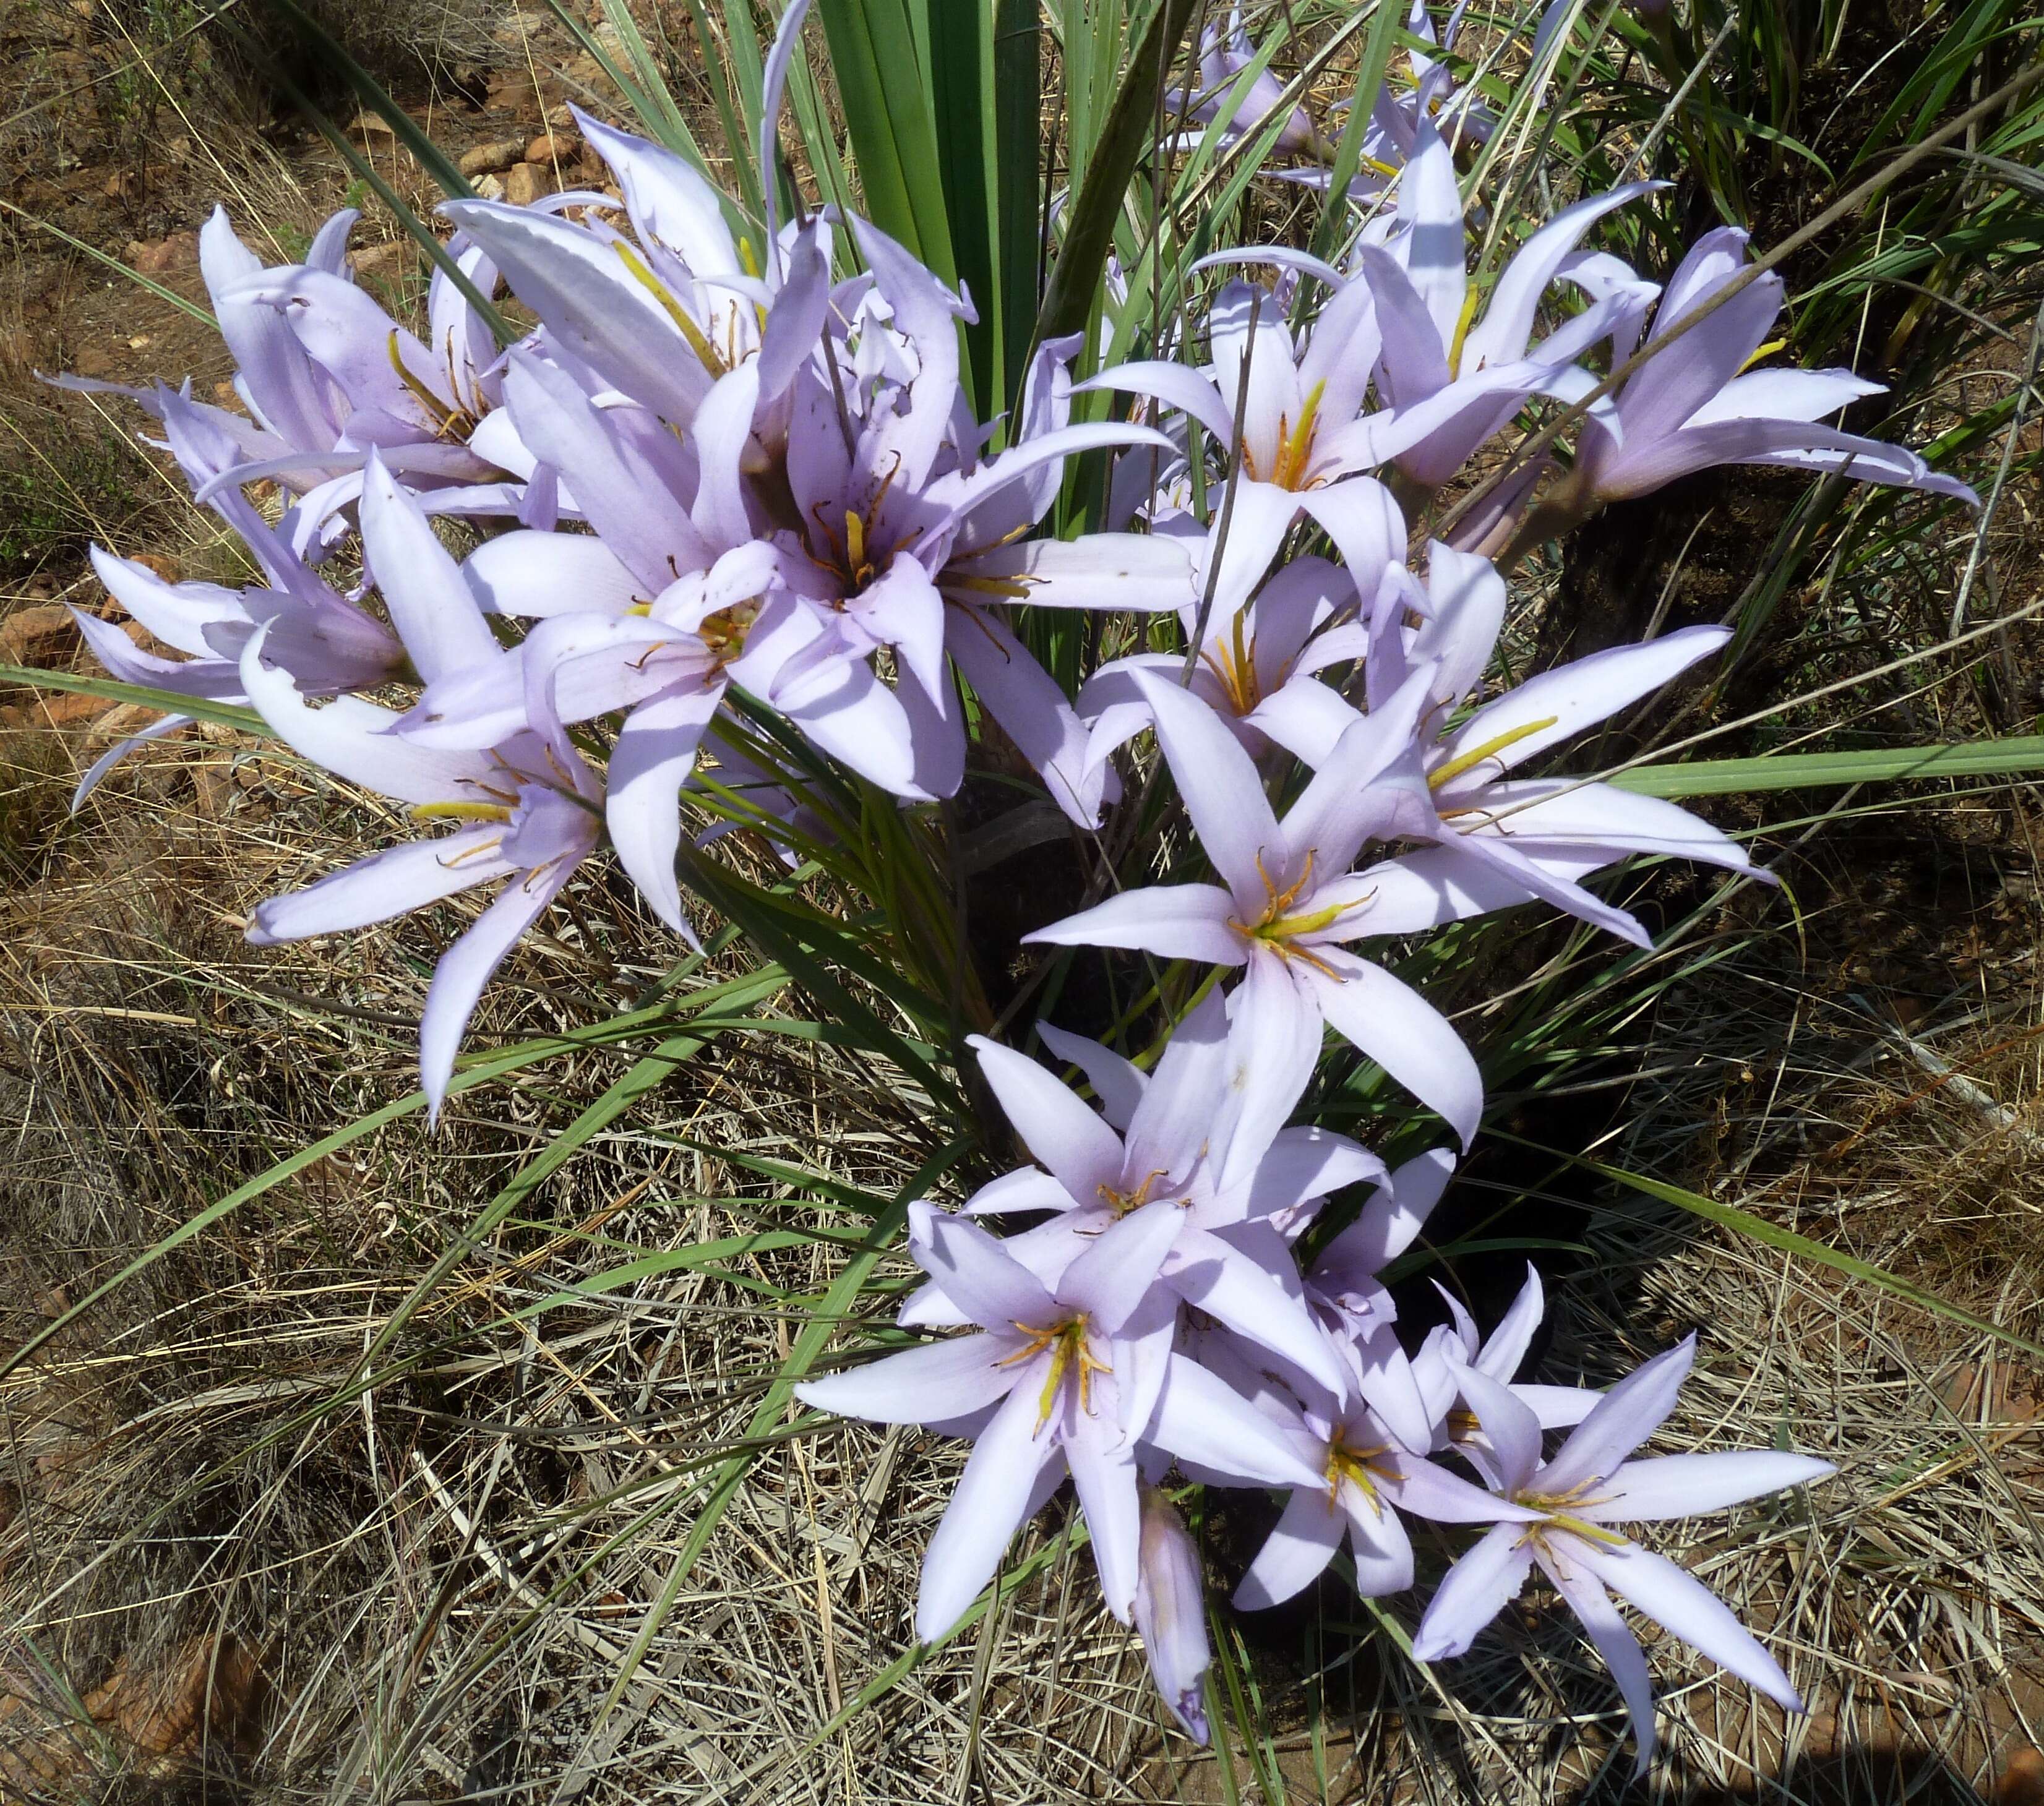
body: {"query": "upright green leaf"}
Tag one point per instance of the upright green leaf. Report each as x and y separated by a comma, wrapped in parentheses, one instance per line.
(1018, 181)
(961, 91)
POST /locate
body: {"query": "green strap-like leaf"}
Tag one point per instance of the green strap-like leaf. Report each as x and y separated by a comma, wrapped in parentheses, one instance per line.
(170, 702)
(1804, 771)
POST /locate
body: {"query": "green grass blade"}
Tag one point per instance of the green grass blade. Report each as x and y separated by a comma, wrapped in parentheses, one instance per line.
(962, 92)
(1075, 280)
(1018, 106)
(1802, 770)
(170, 701)
(1787, 1241)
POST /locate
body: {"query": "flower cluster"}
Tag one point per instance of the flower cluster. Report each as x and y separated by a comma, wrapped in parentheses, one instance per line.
(739, 471)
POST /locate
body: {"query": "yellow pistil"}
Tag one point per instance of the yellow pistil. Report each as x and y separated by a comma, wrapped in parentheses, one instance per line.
(1296, 447)
(1066, 1342)
(1122, 1202)
(1235, 673)
(1277, 928)
(1462, 1424)
(455, 424)
(1462, 333)
(705, 352)
(1357, 1465)
(725, 632)
(460, 812)
(748, 259)
(1490, 749)
(1766, 350)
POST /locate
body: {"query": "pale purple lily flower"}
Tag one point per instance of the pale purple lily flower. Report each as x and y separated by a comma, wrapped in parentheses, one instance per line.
(1453, 1347)
(1167, 1137)
(1366, 1476)
(1224, 56)
(1171, 1612)
(901, 537)
(1067, 1377)
(1501, 841)
(1255, 669)
(1288, 902)
(534, 812)
(1449, 377)
(325, 643)
(1589, 1485)
(1698, 403)
(1299, 433)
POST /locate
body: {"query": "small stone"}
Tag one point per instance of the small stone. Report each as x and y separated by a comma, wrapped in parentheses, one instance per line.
(373, 126)
(561, 117)
(164, 256)
(228, 396)
(524, 183)
(489, 188)
(551, 147)
(388, 262)
(138, 342)
(486, 160)
(168, 568)
(31, 636)
(55, 710)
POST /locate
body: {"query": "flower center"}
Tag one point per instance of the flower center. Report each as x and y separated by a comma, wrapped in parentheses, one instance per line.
(1278, 929)
(1070, 1351)
(725, 632)
(1359, 1466)
(1122, 1202)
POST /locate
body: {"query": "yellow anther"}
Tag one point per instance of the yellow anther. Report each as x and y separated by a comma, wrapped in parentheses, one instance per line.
(1462, 333)
(1358, 1465)
(460, 812)
(1490, 749)
(454, 424)
(1066, 1342)
(704, 349)
(855, 540)
(1122, 1202)
(748, 259)
(1297, 447)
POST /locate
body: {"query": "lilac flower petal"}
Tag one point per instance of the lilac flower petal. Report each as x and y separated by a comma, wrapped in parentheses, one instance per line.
(721, 434)
(176, 613)
(1512, 1431)
(1170, 1613)
(1557, 704)
(1175, 386)
(919, 1385)
(1479, 1587)
(1686, 372)
(1541, 880)
(1306, 717)
(1584, 1596)
(1174, 1125)
(1304, 1163)
(1026, 1188)
(1626, 1416)
(1674, 1597)
(653, 756)
(1430, 200)
(1637, 472)
(1558, 1407)
(1404, 1033)
(1143, 572)
(1687, 1485)
(1104, 1476)
(1118, 1083)
(1221, 790)
(467, 967)
(1234, 1290)
(1431, 1492)
(1357, 795)
(1064, 1134)
(1505, 1348)
(668, 200)
(1296, 1552)
(985, 1282)
(1549, 815)
(1359, 514)
(1178, 921)
(1202, 1420)
(1382, 1550)
(1392, 1219)
(429, 601)
(1275, 1044)
(1113, 1276)
(349, 738)
(1786, 393)
(532, 575)
(987, 1507)
(386, 884)
(591, 303)
(1416, 354)
(1025, 698)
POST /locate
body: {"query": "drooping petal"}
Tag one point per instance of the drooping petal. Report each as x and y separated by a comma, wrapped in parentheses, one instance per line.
(1171, 1612)
(653, 756)
(467, 967)
(1143, 573)
(1512, 1429)
(1687, 1485)
(1382, 1550)
(1026, 700)
(1674, 1597)
(1615, 1642)
(1104, 1476)
(988, 1506)
(1176, 386)
(1220, 789)
(1479, 1586)
(928, 1385)
(1296, 1553)
(388, 884)
(1274, 1045)
(1404, 1033)
(348, 738)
